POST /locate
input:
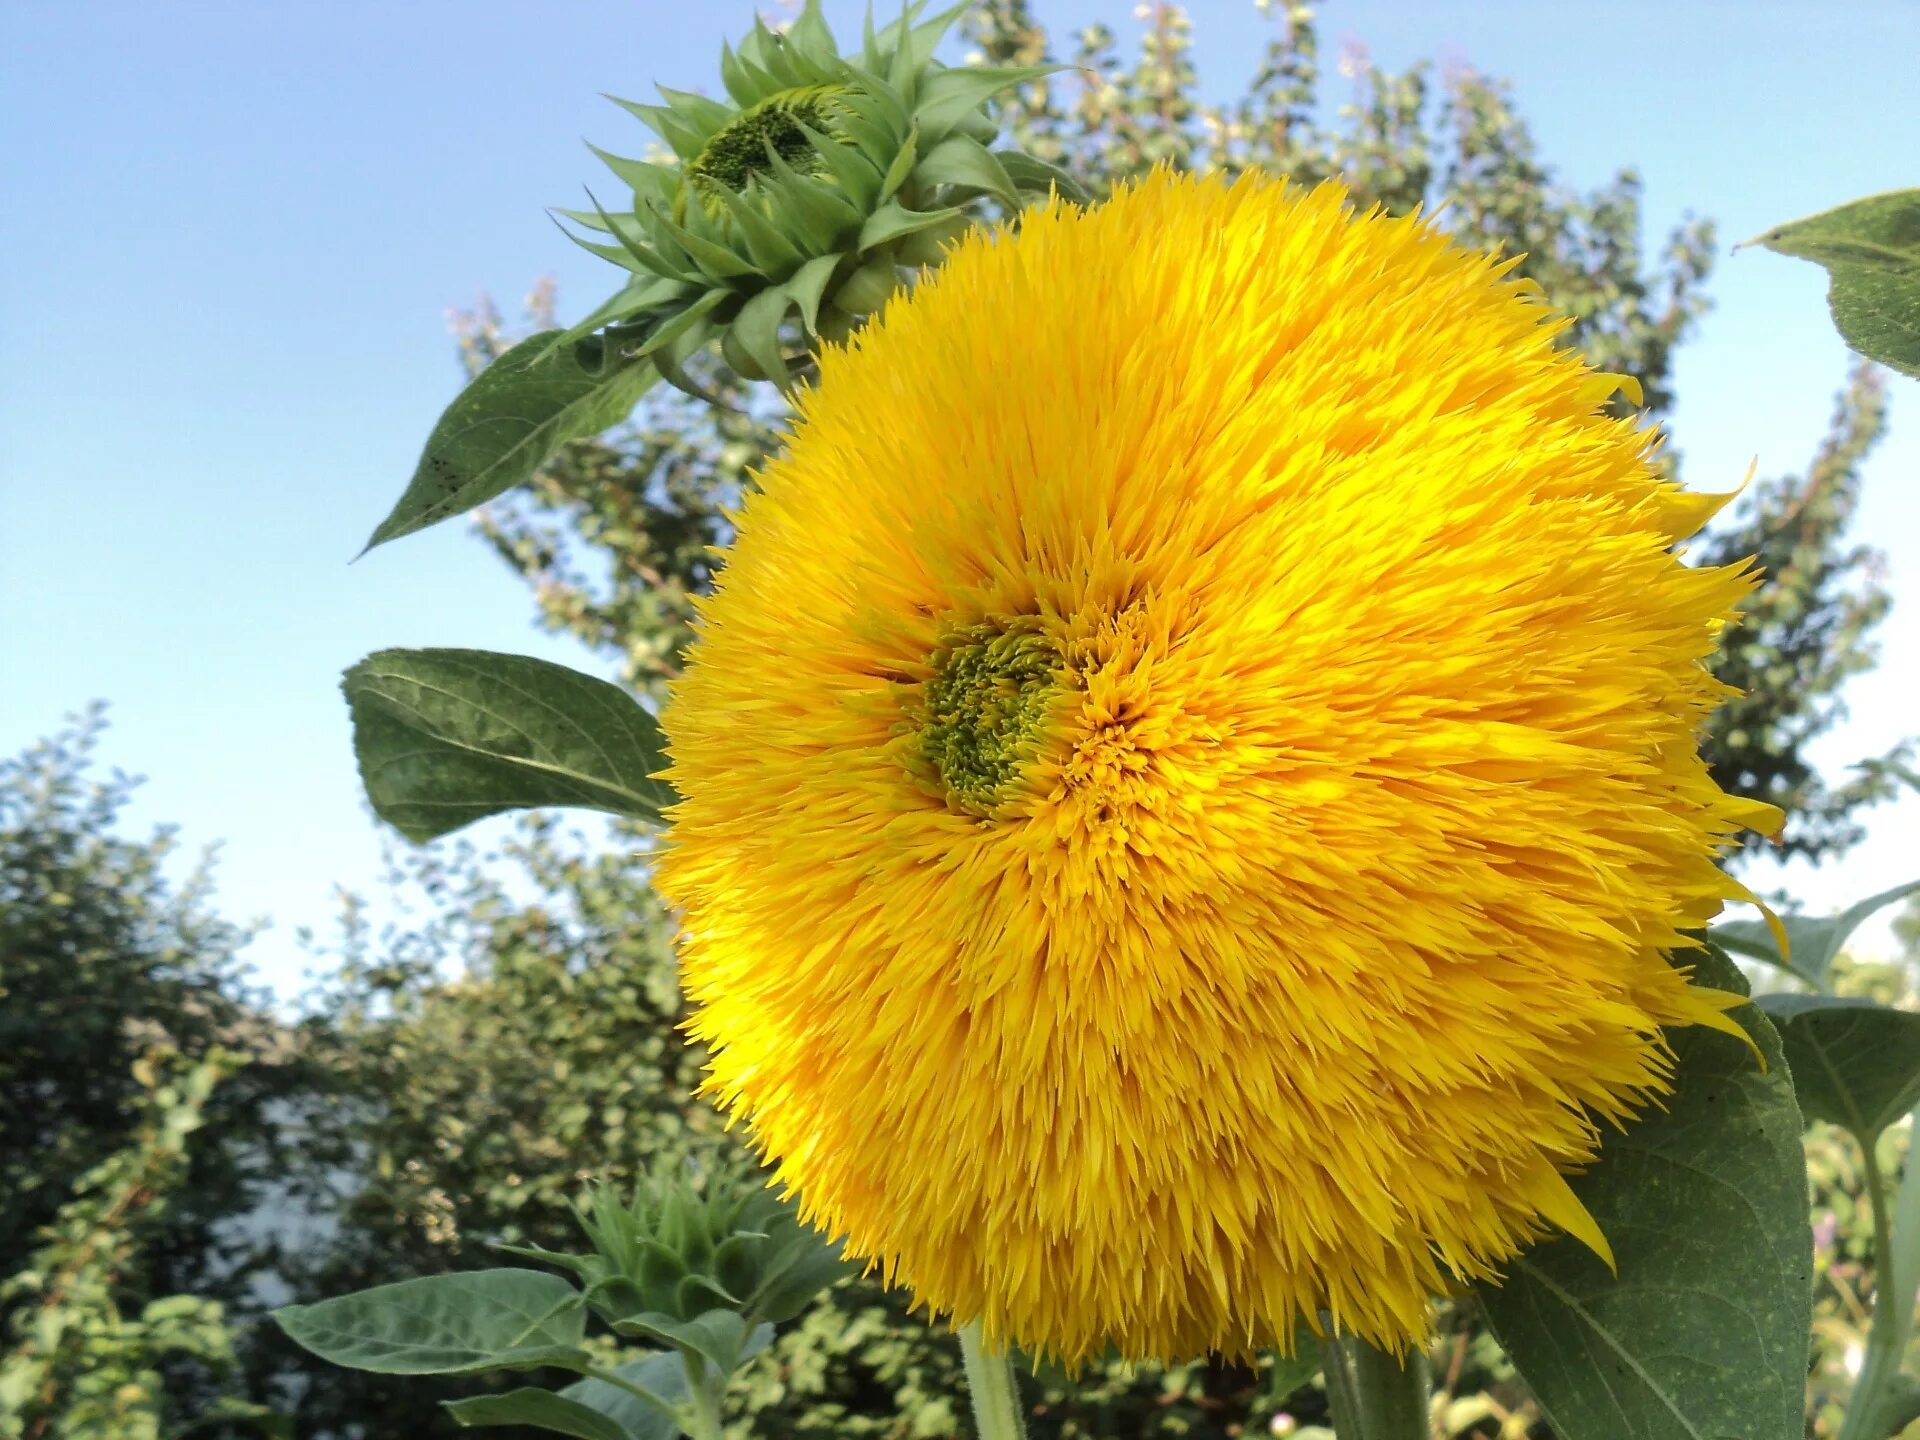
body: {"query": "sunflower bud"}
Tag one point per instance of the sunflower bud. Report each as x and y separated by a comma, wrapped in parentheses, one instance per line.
(672, 1254)
(809, 187)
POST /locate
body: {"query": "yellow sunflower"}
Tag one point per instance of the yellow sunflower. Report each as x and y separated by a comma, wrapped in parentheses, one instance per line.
(1190, 777)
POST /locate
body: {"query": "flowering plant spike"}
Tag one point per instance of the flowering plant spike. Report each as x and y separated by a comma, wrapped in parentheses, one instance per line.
(803, 194)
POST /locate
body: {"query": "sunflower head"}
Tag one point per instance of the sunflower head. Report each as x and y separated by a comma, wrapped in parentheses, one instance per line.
(794, 207)
(1188, 799)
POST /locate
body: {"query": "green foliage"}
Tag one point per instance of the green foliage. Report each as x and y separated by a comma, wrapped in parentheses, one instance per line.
(105, 959)
(663, 1375)
(77, 1365)
(801, 199)
(545, 1410)
(1703, 1329)
(446, 737)
(463, 1324)
(499, 429)
(1856, 1062)
(1813, 942)
(491, 1061)
(1871, 251)
(700, 1273)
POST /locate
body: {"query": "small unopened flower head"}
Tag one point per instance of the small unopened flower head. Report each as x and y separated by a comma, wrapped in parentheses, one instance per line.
(795, 206)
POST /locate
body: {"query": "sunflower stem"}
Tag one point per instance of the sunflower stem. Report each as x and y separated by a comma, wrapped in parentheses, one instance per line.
(703, 1399)
(1374, 1394)
(1893, 1284)
(993, 1387)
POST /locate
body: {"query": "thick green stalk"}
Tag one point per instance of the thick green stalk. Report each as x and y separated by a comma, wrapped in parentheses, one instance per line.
(703, 1399)
(1374, 1394)
(1893, 1298)
(995, 1392)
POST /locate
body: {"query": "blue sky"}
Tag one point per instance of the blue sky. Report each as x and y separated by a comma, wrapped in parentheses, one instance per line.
(232, 231)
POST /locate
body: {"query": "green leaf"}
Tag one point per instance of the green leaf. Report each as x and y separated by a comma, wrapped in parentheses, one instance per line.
(588, 1267)
(703, 110)
(514, 414)
(1901, 1275)
(642, 176)
(714, 259)
(681, 133)
(949, 96)
(798, 1280)
(770, 250)
(820, 213)
(446, 737)
(960, 161)
(447, 1324)
(892, 220)
(1871, 251)
(1856, 1063)
(663, 1376)
(806, 287)
(541, 1408)
(901, 166)
(718, 1336)
(1703, 1333)
(850, 170)
(669, 330)
(635, 297)
(1813, 940)
(1035, 175)
(757, 330)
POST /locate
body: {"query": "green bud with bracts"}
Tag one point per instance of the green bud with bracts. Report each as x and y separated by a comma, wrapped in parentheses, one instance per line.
(798, 204)
(673, 1254)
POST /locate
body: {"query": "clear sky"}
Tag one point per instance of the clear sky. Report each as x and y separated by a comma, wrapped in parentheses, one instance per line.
(232, 230)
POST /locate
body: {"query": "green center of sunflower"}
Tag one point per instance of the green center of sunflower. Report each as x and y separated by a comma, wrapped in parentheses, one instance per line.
(984, 706)
(738, 151)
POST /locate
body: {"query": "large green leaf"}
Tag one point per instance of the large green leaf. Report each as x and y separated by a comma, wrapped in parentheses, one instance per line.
(1702, 1335)
(510, 418)
(446, 737)
(1856, 1063)
(447, 1324)
(543, 1409)
(664, 1376)
(1813, 940)
(1871, 251)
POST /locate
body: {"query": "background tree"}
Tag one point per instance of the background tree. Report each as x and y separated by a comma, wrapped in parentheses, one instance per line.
(81, 1362)
(124, 1249)
(1805, 632)
(103, 958)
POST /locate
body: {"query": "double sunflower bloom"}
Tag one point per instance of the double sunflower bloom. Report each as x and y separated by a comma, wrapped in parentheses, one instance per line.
(1190, 777)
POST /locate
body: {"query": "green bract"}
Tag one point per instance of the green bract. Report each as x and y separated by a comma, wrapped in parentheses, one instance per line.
(802, 196)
